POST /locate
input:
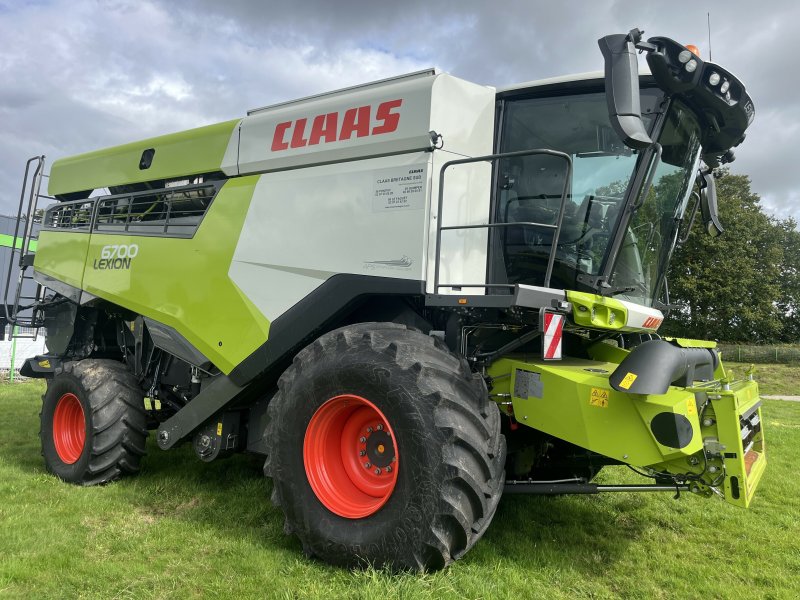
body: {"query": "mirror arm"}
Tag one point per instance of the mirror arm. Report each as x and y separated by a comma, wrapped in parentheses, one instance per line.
(622, 87)
(708, 205)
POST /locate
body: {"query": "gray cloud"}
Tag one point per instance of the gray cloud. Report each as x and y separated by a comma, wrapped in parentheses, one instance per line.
(79, 75)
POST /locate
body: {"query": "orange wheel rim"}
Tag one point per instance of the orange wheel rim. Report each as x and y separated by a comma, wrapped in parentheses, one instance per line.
(69, 428)
(350, 456)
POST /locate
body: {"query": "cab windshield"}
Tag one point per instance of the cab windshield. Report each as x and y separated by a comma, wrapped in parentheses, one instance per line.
(603, 168)
(651, 234)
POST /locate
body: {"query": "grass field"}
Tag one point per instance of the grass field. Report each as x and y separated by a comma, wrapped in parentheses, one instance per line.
(184, 529)
(773, 380)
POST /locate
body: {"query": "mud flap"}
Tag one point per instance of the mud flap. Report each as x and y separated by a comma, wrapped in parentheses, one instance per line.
(40, 366)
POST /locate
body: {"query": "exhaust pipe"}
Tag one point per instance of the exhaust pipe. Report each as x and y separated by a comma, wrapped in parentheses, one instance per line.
(653, 366)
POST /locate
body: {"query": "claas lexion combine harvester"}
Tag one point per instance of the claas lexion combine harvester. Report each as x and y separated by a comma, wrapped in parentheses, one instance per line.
(410, 297)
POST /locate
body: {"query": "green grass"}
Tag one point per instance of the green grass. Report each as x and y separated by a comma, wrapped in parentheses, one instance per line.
(183, 529)
(773, 380)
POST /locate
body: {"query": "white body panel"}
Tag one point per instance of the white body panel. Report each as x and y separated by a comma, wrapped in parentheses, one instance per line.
(464, 115)
(644, 70)
(320, 212)
(390, 117)
(305, 225)
(466, 202)
(642, 317)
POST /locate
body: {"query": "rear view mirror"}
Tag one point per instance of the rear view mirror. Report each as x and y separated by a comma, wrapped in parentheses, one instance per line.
(708, 206)
(622, 88)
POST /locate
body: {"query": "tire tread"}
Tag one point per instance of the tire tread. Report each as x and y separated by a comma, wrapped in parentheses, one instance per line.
(466, 418)
(118, 420)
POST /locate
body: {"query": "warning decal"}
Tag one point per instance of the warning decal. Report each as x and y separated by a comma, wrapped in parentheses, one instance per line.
(627, 382)
(599, 397)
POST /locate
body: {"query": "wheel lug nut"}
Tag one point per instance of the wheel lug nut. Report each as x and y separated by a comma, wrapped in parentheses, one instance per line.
(394, 459)
(362, 439)
(389, 469)
(379, 427)
(367, 465)
(377, 471)
(369, 429)
(362, 452)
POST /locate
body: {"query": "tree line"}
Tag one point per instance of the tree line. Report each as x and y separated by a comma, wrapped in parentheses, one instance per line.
(743, 286)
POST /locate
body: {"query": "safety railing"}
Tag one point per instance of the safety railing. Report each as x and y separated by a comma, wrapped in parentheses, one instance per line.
(73, 215)
(493, 224)
(169, 212)
(21, 256)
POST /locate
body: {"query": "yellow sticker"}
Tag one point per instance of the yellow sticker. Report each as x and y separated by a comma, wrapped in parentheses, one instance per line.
(219, 428)
(599, 397)
(691, 406)
(148, 405)
(627, 382)
(44, 363)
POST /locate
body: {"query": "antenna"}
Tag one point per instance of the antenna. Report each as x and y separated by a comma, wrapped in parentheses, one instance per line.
(708, 16)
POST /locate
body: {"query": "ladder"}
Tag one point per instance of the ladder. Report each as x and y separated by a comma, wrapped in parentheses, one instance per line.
(21, 303)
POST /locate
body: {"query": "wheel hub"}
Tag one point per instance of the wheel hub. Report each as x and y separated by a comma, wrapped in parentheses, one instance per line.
(379, 449)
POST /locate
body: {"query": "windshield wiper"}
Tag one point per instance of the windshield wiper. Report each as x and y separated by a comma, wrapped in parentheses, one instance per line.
(607, 289)
(617, 291)
(603, 288)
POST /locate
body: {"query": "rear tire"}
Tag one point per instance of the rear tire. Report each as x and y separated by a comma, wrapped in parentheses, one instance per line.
(93, 423)
(435, 471)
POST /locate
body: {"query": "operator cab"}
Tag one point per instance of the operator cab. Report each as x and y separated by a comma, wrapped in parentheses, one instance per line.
(628, 188)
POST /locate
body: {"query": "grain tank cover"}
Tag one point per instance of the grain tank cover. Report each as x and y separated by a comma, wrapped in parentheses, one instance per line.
(387, 117)
(181, 154)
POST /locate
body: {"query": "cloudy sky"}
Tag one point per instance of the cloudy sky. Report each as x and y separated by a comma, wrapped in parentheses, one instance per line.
(78, 75)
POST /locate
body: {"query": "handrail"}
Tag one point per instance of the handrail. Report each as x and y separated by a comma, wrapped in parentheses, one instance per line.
(35, 181)
(492, 158)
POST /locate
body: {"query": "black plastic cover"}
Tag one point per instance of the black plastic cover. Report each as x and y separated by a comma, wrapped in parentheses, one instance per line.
(622, 89)
(653, 366)
(672, 430)
(708, 206)
(40, 366)
(170, 340)
(724, 115)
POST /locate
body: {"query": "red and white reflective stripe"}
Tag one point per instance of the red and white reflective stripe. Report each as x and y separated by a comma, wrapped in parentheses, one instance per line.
(551, 342)
(652, 323)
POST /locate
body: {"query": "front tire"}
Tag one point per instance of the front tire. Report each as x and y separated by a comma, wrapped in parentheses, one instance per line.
(93, 423)
(384, 450)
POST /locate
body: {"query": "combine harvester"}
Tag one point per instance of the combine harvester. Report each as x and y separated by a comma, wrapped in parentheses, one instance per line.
(410, 297)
